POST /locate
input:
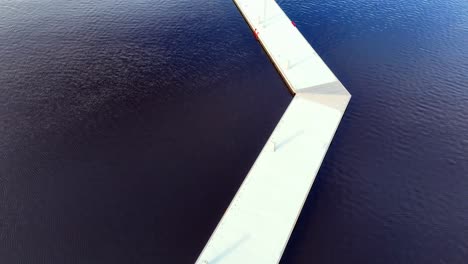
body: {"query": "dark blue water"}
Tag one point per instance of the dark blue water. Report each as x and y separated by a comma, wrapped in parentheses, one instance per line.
(126, 128)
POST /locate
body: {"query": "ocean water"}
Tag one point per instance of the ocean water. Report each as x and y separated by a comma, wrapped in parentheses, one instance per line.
(126, 127)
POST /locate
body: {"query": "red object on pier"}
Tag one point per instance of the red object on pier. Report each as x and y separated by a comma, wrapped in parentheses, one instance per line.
(256, 34)
(294, 24)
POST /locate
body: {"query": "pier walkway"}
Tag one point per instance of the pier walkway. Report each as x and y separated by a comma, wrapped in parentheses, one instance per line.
(258, 223)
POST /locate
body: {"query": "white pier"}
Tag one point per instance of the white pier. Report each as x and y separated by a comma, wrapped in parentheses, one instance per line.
(258, 223)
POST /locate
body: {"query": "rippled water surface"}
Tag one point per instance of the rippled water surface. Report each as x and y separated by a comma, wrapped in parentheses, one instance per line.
(126, 127)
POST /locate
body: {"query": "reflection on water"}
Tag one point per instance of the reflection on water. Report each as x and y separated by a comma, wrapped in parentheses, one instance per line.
(126, 127)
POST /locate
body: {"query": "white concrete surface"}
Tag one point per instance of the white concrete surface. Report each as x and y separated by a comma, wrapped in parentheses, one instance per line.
(258, 223)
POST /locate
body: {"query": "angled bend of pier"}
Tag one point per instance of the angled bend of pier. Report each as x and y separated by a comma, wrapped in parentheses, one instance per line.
(258, 223)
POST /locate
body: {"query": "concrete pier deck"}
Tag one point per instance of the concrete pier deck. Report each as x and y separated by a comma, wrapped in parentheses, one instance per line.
(258, 223)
